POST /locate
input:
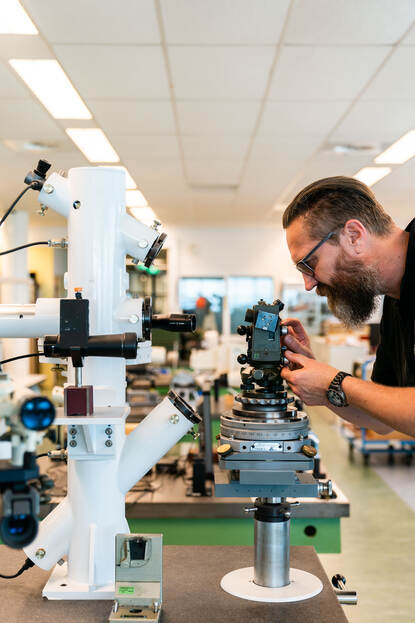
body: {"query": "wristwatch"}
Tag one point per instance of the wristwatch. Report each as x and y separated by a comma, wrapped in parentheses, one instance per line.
(335, 394)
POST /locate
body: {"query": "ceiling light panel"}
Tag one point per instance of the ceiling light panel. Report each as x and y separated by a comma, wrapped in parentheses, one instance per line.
(371, 175)
(15, 20)
(135, 199)
(399, 152)
(93, 143)
(52, 87)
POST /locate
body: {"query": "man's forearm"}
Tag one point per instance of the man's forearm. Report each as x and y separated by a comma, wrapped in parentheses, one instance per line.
(393, 406)
(360, 418)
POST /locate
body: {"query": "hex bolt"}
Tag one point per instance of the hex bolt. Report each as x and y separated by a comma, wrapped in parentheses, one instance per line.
(76, 205)
(174, 419)
(108, 443)
(73, 443)
(73, 431)
(133, 319)
(48, 188)
(108, 431)
(40, 553)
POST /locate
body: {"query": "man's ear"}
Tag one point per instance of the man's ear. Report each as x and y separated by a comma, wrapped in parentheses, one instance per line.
(353, 237)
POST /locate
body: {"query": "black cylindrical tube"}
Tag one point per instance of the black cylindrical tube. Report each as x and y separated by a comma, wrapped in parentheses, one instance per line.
(175, 322)
(119, 345)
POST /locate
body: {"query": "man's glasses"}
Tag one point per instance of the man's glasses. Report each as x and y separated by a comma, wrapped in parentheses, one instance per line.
(302, 265)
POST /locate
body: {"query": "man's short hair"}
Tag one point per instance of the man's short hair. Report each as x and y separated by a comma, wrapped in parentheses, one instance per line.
(329, 203)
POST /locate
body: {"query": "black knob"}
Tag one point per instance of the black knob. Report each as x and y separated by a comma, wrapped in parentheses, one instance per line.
(249, 315)
(42, 168)
(242, 359)
(338, 581)
(241, 329)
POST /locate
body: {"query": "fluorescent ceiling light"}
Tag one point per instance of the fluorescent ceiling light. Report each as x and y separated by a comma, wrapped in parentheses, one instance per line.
(400, 151)
(144, 215)
(129, 182)
(52, 87)
(94, 144)
(135, 199)
(371, 175)
(14, 19)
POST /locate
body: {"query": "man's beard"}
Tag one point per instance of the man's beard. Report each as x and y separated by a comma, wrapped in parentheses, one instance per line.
(353, 296)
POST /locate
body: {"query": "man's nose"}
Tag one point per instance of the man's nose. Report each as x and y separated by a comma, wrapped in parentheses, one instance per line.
(309, 282)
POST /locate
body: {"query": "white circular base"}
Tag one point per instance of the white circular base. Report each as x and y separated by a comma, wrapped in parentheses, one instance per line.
(240, 583)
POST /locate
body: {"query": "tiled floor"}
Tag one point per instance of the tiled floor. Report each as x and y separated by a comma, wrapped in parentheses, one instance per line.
(378, 540)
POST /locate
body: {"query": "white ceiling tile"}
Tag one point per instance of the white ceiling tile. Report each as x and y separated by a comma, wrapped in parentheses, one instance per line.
(324, 73)
(325, 164)
(375, 123)
(207, 118)
(410, 37)
(398, 186)
(223, 21)
(157, 176)
(205, 200)
(95, 21)
(143, 146)
(214, 172)
(335, 22)
(10, 84)
(206, 148)
(23, 46)
(215, 72)
(115, 72)
(26, 119)
(282, 149)
(133, 117)
(394, 81)
(301, 118)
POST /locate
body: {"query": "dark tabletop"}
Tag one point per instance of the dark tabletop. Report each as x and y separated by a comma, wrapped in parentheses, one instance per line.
(191, 591)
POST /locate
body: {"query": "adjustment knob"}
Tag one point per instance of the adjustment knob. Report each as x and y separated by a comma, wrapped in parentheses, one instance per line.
(258, 374)
(241, 329)
(338, 581)
(249, 315)
(242, 359)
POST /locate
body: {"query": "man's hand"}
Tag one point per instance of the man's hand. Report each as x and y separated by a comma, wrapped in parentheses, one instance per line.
(296, 339)
(308, 379)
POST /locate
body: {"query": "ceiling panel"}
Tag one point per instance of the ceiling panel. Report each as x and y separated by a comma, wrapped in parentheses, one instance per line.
(399, 185)
(134, 117)
(148, 147)
(394, 81)
(10, 84)
(301, 118)
(25, 119)
(335, 22)
(212, 200)
(282, 150)
(324, 73)
(410, 37)
(23, 46)
(115, 72)
(224, 147)
(375, 123)
(95, 21)
(325, 164)
(215, 72)
(207, 118)
(223, 21)
(157, 176)
(214, 172)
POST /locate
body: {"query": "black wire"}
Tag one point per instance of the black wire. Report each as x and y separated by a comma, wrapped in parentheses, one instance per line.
(24, 246)
(27, 565)
(39, 456)
(6, 214)
(20, 357)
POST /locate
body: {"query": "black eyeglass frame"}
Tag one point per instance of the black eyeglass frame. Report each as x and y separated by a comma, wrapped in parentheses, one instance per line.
(302, 265)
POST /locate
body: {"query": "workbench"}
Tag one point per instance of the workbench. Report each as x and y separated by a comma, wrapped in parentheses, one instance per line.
(191, 591)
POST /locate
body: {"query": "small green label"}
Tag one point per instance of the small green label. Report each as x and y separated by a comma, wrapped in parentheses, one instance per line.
(126, 590)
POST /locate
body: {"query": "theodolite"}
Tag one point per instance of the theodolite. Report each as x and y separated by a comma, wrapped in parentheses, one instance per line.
(265, 453)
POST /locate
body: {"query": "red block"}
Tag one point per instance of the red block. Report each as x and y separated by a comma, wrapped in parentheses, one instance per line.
(79, 400)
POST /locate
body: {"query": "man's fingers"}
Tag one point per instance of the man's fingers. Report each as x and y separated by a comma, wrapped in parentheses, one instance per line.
(287, 375)
(295, 357)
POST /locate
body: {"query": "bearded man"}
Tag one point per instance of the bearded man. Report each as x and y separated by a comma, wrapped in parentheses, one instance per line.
(349, 249)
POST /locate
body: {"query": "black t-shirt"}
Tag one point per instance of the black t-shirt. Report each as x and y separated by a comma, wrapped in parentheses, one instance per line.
(395, 359)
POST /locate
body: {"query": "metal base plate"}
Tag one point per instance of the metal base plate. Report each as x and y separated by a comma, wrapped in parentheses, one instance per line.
(59, 586)
(240, 583)
(134, 614)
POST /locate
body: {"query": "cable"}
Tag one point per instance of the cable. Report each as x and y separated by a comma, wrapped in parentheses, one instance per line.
(39, 456)
(27, 565)
(20, 357)
(24, 246)
(6, 214)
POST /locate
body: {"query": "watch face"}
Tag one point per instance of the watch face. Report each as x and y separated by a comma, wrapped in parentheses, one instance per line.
(336, 398)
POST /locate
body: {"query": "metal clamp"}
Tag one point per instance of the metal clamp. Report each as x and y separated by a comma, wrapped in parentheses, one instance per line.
(345, 597)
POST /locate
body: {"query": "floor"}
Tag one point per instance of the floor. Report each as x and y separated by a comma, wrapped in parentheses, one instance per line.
(378, 540)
